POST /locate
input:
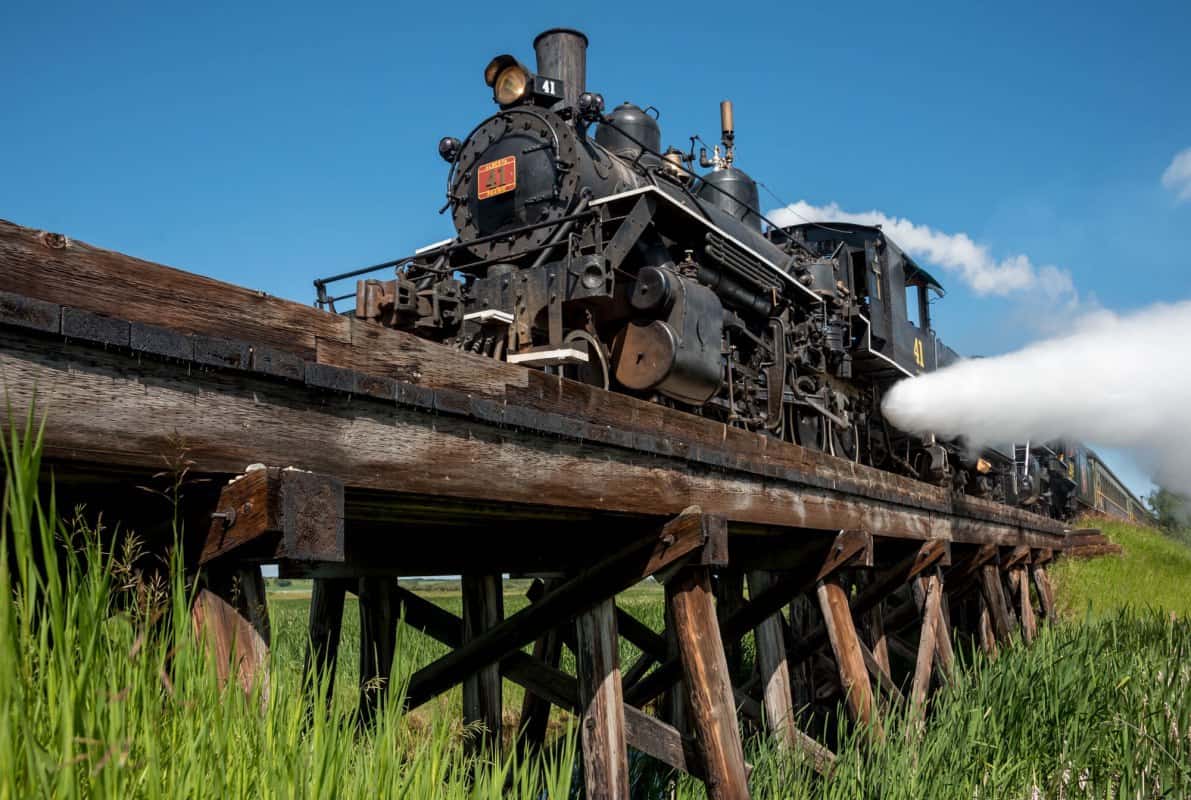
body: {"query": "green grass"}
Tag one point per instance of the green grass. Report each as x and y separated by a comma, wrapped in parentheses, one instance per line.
(105, 693)
(1154, 571)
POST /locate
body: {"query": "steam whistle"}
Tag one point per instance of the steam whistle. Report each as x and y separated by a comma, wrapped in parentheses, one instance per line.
(728, 134)
(727, 141)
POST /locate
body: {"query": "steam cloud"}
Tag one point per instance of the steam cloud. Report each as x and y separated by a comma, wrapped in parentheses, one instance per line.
(954, 252)
(1118, 381)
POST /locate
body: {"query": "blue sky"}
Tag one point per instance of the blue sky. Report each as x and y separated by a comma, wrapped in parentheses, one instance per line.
(267, 144)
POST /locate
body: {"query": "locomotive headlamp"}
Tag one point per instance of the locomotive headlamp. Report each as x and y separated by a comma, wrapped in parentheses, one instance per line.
(448, 148)
(510, 80)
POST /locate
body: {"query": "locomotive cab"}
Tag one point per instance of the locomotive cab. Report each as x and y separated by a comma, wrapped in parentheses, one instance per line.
(888, 284)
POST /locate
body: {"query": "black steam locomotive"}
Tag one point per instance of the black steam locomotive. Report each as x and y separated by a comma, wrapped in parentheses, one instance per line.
(586, 249)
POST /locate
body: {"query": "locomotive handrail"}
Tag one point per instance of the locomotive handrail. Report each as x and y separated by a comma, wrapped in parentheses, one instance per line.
(320, 284)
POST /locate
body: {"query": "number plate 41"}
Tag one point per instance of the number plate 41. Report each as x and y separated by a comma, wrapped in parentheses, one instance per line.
(496, 177)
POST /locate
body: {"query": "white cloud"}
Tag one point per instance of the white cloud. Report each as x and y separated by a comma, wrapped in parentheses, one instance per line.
(1177, 176)
(954, 252)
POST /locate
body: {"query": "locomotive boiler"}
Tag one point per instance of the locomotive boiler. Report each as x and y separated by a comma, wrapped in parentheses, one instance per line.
(586, 248)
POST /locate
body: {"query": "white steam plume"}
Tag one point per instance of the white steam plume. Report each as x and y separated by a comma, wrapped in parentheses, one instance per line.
(954, 252)
(1118, 381)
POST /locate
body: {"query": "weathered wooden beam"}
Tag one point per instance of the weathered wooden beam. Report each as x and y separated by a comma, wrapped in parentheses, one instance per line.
(843, 548)
(708, 684)
(324, 628)
(932, 589)
(944, 651)
(535, 709)
(801, 674)
(601, 721)
(729, 597)
(661, 741)
(301, 511)
(1016, 556)
(378, 639)
(845, 643)
(231, 619)
(994, 597)
(1020, 580)
(680, 537)
(1046, 597)
(640, 635)
(879, 673)
(637, 671)
(675, 706)
(985, 632)
(776, 692)
(944, 657)
(874, 624)
(483, 609)
(879, 587)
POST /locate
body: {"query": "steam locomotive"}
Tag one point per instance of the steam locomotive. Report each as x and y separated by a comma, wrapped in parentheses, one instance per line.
(585, 249)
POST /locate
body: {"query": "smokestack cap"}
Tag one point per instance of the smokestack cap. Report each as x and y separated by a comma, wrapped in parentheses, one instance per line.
(571, 31)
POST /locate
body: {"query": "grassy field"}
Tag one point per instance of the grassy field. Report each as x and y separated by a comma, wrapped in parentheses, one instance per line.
(1154, 572)
(104, 693)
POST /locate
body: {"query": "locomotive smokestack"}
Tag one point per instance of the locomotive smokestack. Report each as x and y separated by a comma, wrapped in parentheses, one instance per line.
(562, 54)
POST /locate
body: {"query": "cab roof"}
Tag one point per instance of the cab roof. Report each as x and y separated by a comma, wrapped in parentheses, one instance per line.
(914, 273)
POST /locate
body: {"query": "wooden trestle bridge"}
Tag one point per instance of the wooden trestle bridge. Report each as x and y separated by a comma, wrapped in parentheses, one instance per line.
(386, 456)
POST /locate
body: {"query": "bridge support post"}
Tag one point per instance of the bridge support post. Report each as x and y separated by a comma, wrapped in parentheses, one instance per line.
(231, 616)
(601, 700)
(845, 643)
(709, 688)
(322, 644)
(378, 640)
(483, 608)
(777, 696)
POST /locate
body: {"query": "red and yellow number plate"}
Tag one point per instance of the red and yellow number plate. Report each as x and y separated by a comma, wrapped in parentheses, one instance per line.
(496, 177)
